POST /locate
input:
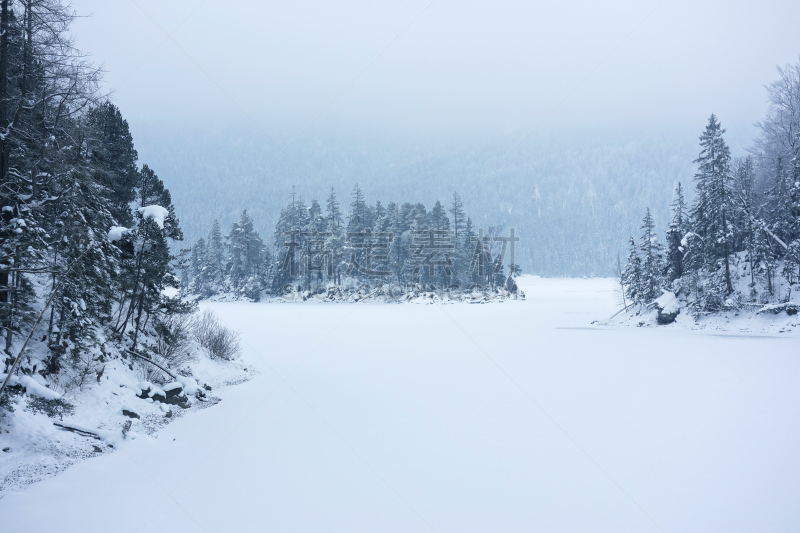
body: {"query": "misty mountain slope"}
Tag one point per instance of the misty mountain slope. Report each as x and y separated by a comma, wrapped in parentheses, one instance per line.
(572, 198)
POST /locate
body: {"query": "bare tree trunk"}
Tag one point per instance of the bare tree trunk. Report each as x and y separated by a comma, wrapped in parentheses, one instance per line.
(138, 318)
(53, 308)
(123, 290)
(10, 320)
(121, 329)
(14, 301)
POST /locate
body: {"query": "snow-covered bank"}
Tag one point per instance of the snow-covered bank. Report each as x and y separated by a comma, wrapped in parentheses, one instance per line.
(744, 311)
(514, 417)
(44, 432)
(755, 319)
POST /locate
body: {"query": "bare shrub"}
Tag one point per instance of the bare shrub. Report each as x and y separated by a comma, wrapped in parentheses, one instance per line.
(85, 367)
(79, 373)
(147, 372)
(173, 345)
(220, 341)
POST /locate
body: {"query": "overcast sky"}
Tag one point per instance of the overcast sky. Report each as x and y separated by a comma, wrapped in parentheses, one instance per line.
(440, 67)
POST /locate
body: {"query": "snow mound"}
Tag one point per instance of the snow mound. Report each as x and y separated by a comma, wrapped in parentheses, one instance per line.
(156, 212)
(189, 385)
(32, 387)
(169, 387)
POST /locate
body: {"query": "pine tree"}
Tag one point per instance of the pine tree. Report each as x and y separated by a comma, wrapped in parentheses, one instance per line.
(652, 260)
(382, 221)
(214, 267)
(406, 216)
(20, 254)
(766, 257)
(399, 252)
(358, 219)
(198, 257)
(293, 217)
(82, 246)
(420, 216)
(710, 211)
(632, 275)
(334, 213)
(470, 276)
(292, 220)
(744, 194)
(437, 218)
(316, 220)
(112, 157)
(675, 234)
(246, 251)
(460, 259)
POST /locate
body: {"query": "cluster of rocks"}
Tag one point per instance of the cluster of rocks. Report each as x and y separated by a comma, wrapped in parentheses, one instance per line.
(175, 393)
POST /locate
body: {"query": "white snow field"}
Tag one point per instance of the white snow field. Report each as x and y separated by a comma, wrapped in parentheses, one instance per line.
(515, 416)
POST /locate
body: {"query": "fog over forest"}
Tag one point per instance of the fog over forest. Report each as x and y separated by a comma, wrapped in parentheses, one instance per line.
(567, 140)
(573, 198)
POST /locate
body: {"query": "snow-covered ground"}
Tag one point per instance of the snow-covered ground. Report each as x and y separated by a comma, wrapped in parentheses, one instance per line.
(38, 440)
(513, 416)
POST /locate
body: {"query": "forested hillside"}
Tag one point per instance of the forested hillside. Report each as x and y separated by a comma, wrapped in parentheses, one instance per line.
(86, 233)
(737, 243)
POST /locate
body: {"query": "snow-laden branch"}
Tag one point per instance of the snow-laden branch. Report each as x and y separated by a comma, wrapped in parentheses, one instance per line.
(685, 241)
(156, 212)
(116, 233)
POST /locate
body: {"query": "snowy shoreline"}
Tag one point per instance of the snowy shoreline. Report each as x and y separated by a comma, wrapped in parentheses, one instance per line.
(741, 321)
(40, 440)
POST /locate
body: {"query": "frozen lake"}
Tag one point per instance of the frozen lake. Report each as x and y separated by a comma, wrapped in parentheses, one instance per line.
(518, 416)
